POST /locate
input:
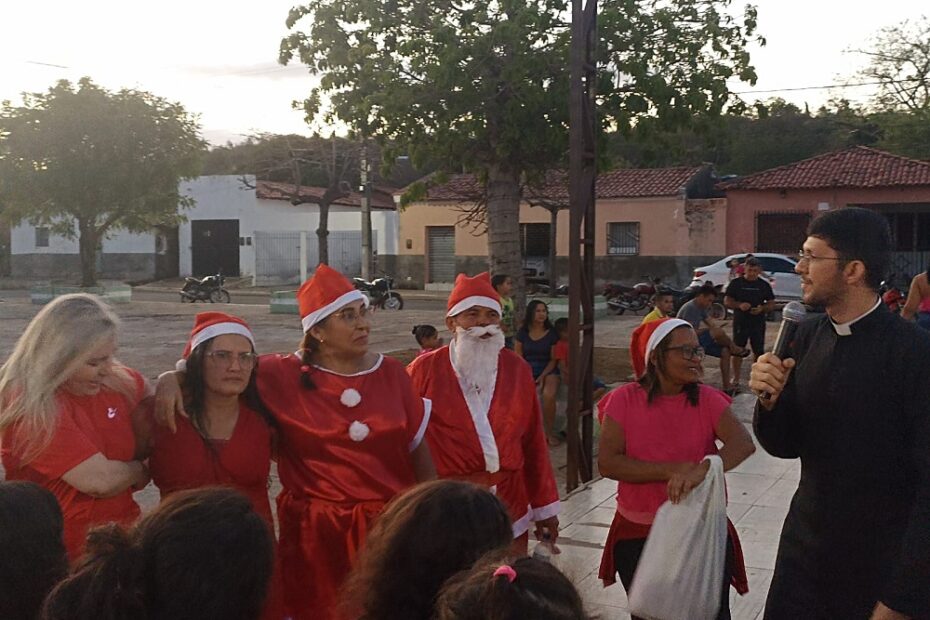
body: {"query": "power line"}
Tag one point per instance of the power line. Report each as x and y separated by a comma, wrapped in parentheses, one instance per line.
(825, 87)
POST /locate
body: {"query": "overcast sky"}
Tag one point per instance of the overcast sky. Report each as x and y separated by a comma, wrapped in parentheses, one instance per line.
(219, 59)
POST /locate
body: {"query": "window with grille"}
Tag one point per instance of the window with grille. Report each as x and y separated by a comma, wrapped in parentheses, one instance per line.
(623, 238)
(782, 232)
(42, 236)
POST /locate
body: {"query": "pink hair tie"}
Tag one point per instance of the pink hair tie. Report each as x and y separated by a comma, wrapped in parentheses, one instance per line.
(304, 369)
(506, 571)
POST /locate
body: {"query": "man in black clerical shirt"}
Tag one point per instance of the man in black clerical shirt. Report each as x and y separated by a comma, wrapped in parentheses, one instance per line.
(853, 402)
(750, 298)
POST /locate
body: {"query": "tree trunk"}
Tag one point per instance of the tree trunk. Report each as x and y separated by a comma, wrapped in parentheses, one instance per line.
(504, 230)
(87, 242)
(553, 239)
(322, 233)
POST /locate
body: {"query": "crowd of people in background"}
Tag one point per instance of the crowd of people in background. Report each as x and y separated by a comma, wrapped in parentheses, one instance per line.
(412, 492)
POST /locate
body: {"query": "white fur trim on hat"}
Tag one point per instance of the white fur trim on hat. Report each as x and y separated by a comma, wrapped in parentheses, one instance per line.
(318, 315)
(475, 300)
(661, 332)
(221, 329)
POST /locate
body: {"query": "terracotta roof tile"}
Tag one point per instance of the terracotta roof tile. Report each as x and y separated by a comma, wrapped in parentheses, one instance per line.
(272, 190)
(859, 167)
(624, 183)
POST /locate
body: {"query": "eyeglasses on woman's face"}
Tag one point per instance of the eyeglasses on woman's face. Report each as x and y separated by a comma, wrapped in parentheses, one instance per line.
(352, 316)
(225, 358)
(689, 352)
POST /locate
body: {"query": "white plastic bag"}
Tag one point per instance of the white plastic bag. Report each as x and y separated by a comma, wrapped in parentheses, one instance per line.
(680, 573)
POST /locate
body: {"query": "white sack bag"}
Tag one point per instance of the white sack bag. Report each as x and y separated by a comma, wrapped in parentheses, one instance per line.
(680, 573)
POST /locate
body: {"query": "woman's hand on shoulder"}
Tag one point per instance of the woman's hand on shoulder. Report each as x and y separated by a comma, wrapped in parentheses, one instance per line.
(169, 400)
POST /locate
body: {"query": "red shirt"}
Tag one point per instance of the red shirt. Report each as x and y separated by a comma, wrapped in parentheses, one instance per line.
(86, 425)
(184, 460)
(560, 352)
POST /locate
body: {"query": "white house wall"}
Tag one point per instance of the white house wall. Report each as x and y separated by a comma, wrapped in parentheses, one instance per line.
(227, 198)
(23, 241)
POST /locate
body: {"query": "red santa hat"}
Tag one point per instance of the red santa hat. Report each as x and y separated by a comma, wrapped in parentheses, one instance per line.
(209, 325)
(470, 292)
(647, 337)
(324, 293)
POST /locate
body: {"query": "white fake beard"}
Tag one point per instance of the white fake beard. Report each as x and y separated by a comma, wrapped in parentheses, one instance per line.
(475, 358)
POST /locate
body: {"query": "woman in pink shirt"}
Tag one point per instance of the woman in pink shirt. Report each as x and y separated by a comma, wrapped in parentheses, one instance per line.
(655, 434)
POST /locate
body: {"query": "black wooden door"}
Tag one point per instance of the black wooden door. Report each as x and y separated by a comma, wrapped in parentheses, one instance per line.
(215, 247)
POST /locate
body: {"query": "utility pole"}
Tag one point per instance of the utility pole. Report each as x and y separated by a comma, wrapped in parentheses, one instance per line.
(582, 176)
(366, 212)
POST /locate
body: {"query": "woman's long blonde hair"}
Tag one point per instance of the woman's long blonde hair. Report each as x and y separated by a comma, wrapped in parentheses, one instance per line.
(56, 343)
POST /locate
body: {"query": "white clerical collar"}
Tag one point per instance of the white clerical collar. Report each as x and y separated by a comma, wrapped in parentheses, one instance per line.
(845, 329)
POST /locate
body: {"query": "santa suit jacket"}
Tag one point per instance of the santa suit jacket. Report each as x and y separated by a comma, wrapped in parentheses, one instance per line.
(504, 447)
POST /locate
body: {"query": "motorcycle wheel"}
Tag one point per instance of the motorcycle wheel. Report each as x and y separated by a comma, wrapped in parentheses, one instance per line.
(393, 301)
(718, 311)
(185, 299)
(219, 296)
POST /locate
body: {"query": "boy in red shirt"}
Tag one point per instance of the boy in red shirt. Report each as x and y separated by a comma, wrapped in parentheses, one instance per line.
(560, 357)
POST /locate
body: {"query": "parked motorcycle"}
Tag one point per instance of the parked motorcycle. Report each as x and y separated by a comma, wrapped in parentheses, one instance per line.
(205, 289)
(380, 292)
(893, 296)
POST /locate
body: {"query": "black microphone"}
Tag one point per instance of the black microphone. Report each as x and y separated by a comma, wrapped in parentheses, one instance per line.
(791, 316)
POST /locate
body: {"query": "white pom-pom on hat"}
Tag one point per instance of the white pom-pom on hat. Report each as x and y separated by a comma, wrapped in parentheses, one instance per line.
(358, 431)
(350, 397)
(181, 365)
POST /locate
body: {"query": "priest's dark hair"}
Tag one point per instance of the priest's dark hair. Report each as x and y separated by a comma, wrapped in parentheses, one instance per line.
(423, 537)
(203, 553)
(32, 552)
(857, 234)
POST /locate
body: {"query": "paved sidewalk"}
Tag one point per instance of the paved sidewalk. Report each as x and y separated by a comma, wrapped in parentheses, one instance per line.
(760, 492)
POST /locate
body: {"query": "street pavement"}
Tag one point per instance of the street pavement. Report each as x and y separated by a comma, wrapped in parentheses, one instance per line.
(155, 328)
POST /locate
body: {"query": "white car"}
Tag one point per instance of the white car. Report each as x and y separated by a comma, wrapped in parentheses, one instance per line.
(778, 269)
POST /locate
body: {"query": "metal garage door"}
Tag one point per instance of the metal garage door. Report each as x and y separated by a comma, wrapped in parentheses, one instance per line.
(440, 252)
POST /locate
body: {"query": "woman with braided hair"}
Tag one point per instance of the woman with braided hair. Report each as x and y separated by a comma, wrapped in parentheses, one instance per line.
(350, 430)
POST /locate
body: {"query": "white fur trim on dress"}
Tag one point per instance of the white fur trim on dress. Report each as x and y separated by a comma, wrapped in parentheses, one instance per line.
(549, 510)
(475, 300)
(521, 525)
(418, 438)
(221, 329)
(318, 315)
(661, 332)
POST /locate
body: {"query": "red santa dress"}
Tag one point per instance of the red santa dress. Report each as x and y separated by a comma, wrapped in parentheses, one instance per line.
(344, 452)
(184, 460)
(86, 425)
(503, 447)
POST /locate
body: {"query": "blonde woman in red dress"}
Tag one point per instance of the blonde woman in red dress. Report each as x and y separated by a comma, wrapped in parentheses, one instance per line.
(66, 415)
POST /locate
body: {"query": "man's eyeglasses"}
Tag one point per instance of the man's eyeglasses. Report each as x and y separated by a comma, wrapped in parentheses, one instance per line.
(689, 353)
(805, 256)
(225, 358)
(351, 315)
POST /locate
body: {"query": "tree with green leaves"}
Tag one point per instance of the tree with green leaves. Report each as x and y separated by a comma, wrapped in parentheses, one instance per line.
(899, 64)
(85, 162)
(483, 85)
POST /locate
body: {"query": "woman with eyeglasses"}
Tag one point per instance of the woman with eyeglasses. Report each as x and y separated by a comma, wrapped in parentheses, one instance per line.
(227, 438)
(655, 434)
(350, 438)
(66, 415)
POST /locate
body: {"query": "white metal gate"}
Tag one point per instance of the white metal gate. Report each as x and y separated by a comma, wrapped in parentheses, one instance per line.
(277, 254)
(441, 253)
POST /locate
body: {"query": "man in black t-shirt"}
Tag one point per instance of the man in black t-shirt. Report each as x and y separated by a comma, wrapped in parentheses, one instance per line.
(751, 298)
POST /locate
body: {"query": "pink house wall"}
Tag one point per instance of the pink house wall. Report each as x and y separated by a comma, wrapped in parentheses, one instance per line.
(743, 205)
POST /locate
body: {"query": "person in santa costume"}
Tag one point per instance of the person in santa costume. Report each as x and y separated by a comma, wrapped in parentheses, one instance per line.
(66, 415)
(350, 439)
(655, 435)
(486, 424)
(228, 435)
